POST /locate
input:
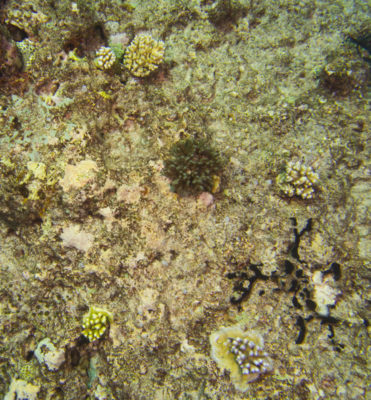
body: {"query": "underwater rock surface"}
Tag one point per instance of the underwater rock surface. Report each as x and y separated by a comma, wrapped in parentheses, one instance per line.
(112, 280)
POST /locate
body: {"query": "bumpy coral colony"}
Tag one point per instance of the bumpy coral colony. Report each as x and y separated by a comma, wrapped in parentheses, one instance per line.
(95, 323)
(144, 55)
(242, 353)
(298, 180)
(105, 58)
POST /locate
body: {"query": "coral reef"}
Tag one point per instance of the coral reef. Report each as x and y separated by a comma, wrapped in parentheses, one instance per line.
(143, 55)
(242, 353)
(90, 159)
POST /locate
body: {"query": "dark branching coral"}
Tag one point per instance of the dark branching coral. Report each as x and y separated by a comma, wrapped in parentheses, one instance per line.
(337, 80)
(192, 166)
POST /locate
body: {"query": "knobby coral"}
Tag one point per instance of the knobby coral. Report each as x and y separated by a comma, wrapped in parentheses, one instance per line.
(144, 55)
(95, 323)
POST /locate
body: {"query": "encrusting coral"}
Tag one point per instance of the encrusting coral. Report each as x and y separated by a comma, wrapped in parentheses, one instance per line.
(24, 17)
(143, 55)
(27, 48)
(242, 353)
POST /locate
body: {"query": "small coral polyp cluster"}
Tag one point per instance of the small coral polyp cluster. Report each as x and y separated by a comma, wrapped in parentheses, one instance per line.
(298, 180)
(143, 55)
(105, 58)
(242, 353)
(95, 323)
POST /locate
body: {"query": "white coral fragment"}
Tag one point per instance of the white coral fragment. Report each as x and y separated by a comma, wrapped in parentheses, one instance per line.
(77, 176)
(325, 293)
(46, 353)
(72, 236)
(21, 390)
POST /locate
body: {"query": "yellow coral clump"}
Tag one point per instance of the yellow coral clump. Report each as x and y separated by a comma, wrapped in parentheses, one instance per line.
(95, 323)
(298, 180)
(242, 353)
(105, 58)
(144, 55)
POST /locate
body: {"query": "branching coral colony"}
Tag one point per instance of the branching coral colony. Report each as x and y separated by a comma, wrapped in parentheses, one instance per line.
(143, 55)
(242, 353)
(105, 58)
(298, 180)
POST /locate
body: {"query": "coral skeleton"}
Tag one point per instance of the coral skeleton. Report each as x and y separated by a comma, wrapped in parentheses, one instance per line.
(242, 353)
(48, 354)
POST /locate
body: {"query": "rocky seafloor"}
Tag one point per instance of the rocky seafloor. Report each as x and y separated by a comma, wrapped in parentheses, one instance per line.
(277, 247)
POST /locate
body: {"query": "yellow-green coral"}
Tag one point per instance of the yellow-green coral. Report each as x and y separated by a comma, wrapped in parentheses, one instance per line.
(95, 323)
(27, 49)
(144, 55)
(105, 58)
